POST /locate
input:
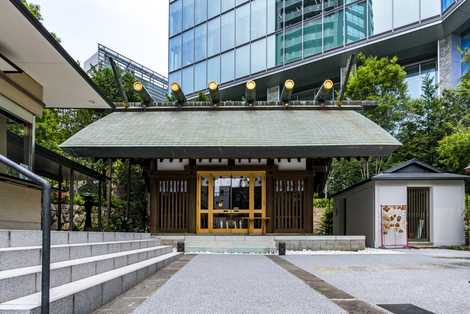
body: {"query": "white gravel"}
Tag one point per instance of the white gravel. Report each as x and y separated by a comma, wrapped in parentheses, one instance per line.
(440, 285)
(236, 284)
(362, 252)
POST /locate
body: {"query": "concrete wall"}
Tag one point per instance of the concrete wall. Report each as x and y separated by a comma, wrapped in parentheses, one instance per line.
(20, 207)
(359, 212)
(446, 212)
(449, 62)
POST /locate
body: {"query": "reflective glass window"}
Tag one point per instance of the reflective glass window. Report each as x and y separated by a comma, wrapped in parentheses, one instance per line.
(380, 17)
(200, 11)
(243, 61)
(430, 8)
(258, 18)
(188, 14)
(271, 16)
(279, 48)
(446, 4)
(466, 46)
(213, 69)
(227, 5)
(228, 30)
(238, 2)
(176, 17)
(213, 37)
(175, 53)
(293, 44)
(312, 8)
(204, 193)
(213, 8)
(271, 51)
(243, 24)
(292, 12)
(175, 77)
(200, 77)
(200, 42)
(312, 37)
(258, 56)
(258, 193)
(356, 22)
(188, 47)
(405, 12)
(227, 67)
(333, 30)
(187, 83)
(330, 5)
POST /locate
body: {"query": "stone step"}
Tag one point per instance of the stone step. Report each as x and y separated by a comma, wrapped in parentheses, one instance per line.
(19, 282)
(229, 250)
(87, 295)
(230, 244)
(21, 238)
(17, 257)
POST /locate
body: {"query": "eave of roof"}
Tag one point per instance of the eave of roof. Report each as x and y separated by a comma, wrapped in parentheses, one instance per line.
(232, 134)
(31, 48)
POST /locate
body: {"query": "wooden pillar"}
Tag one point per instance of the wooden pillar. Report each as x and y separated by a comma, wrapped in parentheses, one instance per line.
(308, 204)
(153, 205)
(72, 195)
(59, 201)
(109, 189)
(100, 192)
(269, 195)
(129, 178)
(192, 189)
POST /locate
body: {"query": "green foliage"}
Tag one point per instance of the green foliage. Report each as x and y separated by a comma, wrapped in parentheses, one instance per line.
(202, 97)
(454, 150)
(34, 9)
(104, 79)
(326, 224)
(383, 80)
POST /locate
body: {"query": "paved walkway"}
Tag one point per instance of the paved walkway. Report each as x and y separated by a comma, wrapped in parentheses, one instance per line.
(236, 284)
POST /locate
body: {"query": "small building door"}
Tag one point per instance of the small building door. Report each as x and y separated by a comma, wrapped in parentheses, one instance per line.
(418, 213)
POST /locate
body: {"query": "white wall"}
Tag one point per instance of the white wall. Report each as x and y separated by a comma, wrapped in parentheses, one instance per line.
(360, 212)
(446, 212)
(20, 207)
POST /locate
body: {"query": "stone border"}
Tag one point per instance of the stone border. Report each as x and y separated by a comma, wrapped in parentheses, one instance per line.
(335, 295)
(132, 298)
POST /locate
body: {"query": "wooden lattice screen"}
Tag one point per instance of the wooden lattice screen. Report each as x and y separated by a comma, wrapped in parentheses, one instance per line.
(418, 213)
(173, 197)
(288, 204)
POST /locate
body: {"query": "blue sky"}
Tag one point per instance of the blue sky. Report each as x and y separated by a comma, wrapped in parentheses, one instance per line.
(137, 29)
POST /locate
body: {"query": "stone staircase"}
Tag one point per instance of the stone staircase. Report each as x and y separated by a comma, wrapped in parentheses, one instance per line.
(88, 269)
(230, 244)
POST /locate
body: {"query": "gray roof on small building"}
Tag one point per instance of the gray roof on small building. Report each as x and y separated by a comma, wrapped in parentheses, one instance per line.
(232, 134)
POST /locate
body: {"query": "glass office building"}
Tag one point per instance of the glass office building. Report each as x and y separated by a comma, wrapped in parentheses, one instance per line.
(155, 83)
(230, 41)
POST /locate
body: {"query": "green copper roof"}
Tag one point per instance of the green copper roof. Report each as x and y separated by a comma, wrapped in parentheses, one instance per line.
(229, 133)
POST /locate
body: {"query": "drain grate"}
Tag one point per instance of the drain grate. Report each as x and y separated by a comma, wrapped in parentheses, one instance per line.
(404, 309)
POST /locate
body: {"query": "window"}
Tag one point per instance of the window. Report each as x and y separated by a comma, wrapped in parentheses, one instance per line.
(446, 4)
(380, 17)
(466, 46)
(188, 14)
(293, 44)
(430, 8)
(213, 69)
(405, 12)
(312, 37)
(243, 61)
(228, 30)
(200, 78)
(356, 22)
(200, 42)
(312, 8)
(213, 37)
(243, 24)
(292, 12)
(227, 67)
(175, 53)
(333, 30)
(258, 56)
(416, 75)
(227, 5)
(213, 8)
(238, 2)
(187, 81)
(176, 17)
(200, 11)
(188, 47)
(258, 19)
(330, 5)
(271, 16)
(175, 77)
(271, 51)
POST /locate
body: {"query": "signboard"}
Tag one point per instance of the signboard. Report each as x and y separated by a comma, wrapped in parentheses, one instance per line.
(394, 226)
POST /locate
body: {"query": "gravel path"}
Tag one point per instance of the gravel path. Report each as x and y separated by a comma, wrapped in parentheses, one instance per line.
(235, 284)
(437, 281)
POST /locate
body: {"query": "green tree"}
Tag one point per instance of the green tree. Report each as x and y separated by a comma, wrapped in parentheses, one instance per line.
(34, 9)
(383, 80)
(454, 150)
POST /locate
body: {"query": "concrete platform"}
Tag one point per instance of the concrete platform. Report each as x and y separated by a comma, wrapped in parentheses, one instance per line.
(266, 244)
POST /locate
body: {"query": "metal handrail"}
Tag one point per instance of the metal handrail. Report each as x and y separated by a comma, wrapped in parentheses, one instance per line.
(46, 231)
